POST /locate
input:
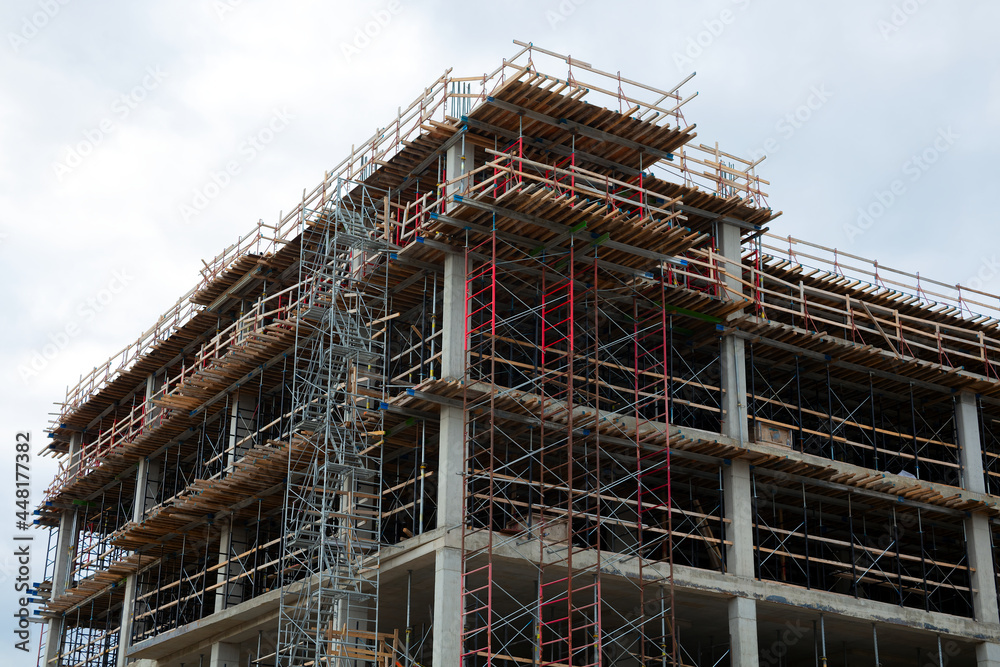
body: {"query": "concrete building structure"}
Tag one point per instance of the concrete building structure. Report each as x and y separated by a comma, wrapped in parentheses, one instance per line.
(526, 380)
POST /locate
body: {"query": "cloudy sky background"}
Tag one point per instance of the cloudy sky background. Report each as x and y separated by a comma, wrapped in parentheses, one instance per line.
(159, 96)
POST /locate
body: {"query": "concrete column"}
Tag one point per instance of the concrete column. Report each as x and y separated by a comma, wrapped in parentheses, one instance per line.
(148, 477)
(739, 562)
(152, 412)
(451, 461)
(241, 424)
(988, 655)
(451, 441)
(357, 617)
(977, 527)
(447, 644)
(970, 443)
(232, 591)
(453, 320)
(743, 632)
(224, 655)
(139, 509)
(460, 161)
(65, 543)
(738, 491)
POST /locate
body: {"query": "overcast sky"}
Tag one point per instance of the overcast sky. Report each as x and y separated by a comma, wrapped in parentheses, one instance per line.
(114, 115)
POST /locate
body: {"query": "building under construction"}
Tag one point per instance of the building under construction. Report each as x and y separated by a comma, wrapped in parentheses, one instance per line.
(526, 380)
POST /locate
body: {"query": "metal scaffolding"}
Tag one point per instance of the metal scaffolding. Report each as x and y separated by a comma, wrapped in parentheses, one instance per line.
(332, 507)
(277, 431)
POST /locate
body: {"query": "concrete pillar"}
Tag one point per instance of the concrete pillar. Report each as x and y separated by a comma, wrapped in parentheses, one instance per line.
(447, 644)
(65, 543)
(224, 655)
(970, 443)
(451, 447)
(451, 461)
(232, 542)
(988, 655)
(743, 632)
(977, 527)
(453, 320)
(460, 161)
(357, 617)
(141, 505)
(148, 477)
(738, 491)
(152, 411)
(242, 422)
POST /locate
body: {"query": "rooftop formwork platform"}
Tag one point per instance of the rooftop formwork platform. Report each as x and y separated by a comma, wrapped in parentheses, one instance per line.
(527, 380)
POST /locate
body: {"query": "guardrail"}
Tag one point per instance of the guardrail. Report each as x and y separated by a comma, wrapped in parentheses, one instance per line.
(870, 323)
(635, 99)
(969, 302)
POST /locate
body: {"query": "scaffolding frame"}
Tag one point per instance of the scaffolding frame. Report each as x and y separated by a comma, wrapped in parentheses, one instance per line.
(595, 297)
(332, 506)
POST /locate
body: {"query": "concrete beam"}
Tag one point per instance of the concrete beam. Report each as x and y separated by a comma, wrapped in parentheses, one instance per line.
(711, 582)
(260, 613)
